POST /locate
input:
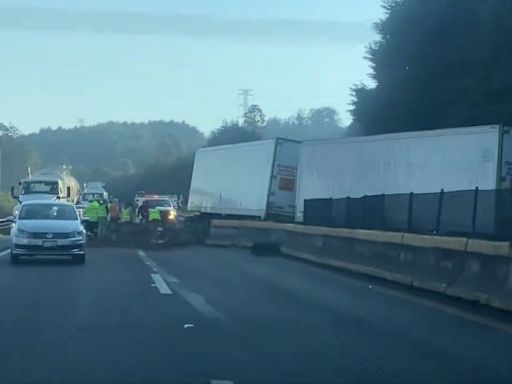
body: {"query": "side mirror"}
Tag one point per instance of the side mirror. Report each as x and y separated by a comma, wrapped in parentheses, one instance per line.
(13, 194)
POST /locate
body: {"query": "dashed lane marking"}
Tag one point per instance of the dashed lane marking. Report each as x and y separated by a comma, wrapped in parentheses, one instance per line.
(160, 284)
(194, 299)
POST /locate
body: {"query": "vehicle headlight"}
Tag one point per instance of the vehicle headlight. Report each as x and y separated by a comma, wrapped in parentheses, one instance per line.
(172, 215)
(79, 233)
(20, 233)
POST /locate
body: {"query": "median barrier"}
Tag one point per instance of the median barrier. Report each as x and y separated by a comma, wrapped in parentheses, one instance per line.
(4, 242)
(471, 269)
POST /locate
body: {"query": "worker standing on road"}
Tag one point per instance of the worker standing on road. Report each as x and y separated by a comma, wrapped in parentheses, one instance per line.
(114, 211)
(154, 215)
(114, 216)
(143, 212)
(127, 213)
(102, 218)
(91, 212)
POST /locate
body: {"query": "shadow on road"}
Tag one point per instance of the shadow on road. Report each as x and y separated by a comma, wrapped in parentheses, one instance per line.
(47, 261)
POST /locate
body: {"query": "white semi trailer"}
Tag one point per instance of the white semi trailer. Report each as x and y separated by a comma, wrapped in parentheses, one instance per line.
(420, 162)
(255, 179)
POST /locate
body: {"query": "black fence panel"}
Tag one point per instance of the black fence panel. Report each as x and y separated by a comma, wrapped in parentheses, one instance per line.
(396, 212)
(318, 212)
(503, 220)
(424, 212)
(340, 212)
(373, 212)
(355, 213)
(485, 222)
(485, 214)
(457, 213)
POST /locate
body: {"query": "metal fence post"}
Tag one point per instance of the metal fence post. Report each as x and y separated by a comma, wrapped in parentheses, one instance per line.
(347, 213)
(439, 211)
(475, 209)
(383, 221)
(362, 213)
(409, 212)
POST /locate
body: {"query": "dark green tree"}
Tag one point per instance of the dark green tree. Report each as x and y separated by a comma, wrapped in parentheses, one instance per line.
(15, 159)
(254, 118)
(231, 132)
(438, 64)
(323, 119)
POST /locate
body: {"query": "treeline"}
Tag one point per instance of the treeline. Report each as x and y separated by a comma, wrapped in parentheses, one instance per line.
(437, 64)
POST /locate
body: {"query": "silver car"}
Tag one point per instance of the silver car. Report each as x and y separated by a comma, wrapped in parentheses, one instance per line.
(47, 228)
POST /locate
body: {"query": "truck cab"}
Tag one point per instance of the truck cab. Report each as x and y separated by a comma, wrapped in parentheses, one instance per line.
(42, 189)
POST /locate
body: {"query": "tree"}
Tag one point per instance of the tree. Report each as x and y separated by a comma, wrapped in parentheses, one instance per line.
(438, 64)
(95, 151)
(254, 118)
(16, 158)
(9, 130)
(325, 118)
(231, 132)
(318, 123)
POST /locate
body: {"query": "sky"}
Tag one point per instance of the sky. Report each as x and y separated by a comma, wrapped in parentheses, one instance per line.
(67, 62)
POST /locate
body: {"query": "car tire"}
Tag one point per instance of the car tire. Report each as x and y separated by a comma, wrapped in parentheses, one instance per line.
(79, 259)
(15, 259)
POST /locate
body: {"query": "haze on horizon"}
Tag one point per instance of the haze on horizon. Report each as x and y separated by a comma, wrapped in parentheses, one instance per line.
(70, 61)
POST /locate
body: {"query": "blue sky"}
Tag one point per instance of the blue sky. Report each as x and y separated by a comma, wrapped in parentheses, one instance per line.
(128, 60)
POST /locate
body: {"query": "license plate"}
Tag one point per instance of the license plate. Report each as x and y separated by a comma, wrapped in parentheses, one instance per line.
(49, 244)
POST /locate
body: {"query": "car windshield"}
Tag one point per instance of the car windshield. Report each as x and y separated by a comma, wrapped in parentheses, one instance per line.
(91, 196)
(158, 203)
(47, 187)
(47, 212)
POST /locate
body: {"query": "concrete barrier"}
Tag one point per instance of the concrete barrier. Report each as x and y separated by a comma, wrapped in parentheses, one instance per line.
(470, 269)
(4, 242)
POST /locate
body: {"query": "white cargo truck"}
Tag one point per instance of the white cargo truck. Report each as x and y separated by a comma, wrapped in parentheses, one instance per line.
(420, 162)
(49, 184)
(255, 179)
(93, 190)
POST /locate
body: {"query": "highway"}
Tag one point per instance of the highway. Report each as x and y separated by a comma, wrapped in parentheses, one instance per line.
(219, 315)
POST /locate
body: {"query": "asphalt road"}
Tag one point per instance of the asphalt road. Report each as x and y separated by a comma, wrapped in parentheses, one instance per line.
(204, 314)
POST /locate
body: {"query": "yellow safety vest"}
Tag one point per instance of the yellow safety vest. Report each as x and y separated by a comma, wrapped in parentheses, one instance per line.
(102, 210)
(91, 211)
(154, 214)
(126, 215)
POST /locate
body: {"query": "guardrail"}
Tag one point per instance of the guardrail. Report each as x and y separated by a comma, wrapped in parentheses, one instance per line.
(4, 224)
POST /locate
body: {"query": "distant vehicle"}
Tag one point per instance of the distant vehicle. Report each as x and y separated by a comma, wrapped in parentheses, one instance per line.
(49, 184)
(47, 228)
(255, 179)
(164, 203)
(93, 190)
(420, 162)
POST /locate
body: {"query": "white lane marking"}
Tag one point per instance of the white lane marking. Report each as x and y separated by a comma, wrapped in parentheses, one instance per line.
(221, 382)
(160, 284)
(194, 299)
(4, 253)
(155, 268)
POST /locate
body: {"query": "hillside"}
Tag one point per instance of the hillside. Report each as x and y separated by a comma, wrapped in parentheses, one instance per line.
(114, 148)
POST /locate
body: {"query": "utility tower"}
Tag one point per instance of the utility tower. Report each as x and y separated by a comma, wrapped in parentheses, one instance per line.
(244, 95)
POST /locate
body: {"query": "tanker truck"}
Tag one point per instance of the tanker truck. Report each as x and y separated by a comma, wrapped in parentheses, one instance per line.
(55, 183)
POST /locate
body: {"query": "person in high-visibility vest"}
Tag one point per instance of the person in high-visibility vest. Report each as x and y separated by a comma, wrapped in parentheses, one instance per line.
(102, 219)
(154, 214)
(91, 213)
(127, 214)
